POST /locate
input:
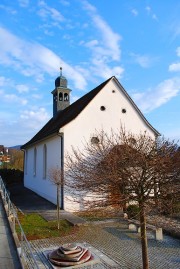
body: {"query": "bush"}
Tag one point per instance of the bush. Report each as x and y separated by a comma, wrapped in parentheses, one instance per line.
(133, 211)
(10, 176)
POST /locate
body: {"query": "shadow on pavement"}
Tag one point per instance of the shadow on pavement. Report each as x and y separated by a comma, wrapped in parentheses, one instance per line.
(27, 200)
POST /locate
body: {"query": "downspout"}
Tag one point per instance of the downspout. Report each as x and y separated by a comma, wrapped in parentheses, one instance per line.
(24, 164)
(62, 170)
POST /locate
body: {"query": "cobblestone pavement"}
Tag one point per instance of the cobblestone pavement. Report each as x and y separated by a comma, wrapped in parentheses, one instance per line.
(120, 244)
(169, 225)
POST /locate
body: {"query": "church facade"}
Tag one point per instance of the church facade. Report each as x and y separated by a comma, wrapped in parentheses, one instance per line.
(107, 107)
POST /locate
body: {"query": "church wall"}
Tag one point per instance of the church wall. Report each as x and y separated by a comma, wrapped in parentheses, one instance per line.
(93, 118)
(37, 182)
(104, 112)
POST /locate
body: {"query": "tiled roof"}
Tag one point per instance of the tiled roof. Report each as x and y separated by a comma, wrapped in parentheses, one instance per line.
(65, 116)
(71, 112)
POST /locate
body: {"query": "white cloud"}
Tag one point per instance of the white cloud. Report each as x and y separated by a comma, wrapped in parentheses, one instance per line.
(105, 71)
(4, 81)
(144, 61)
(92, 43)
(74, 98)
(22, 88)
(178, 51)
(33, 59)
(175, 67)
(12, 98)
(24, 125)
(110, 40)
(174, 27)
(106, 50)
(64, 2)
(134, 12)
(154, 17)
(150, 13)
(34, 118)
(9, 10)
(48, 13)
(37, 96)
(148, 9)
(155, 97)
(23, 3)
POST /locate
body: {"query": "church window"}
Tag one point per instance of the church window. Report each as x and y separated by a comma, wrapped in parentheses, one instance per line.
(102, 108)
(123, 110)
(66, 97)
(60, 96)
(44, 161)
(95, 140)
(35, 162)
(113, 91)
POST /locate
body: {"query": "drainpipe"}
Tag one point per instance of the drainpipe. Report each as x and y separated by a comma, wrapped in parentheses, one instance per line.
(62, 170)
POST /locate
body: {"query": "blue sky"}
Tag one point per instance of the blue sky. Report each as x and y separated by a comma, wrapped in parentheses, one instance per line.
(138, 41)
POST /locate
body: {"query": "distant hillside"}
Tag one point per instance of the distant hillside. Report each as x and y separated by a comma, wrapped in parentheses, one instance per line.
(15, 147)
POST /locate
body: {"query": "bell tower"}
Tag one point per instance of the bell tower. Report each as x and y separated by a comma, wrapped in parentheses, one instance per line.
(61, 94)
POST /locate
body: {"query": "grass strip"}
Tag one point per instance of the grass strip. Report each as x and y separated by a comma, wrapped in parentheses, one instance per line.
(36, 227)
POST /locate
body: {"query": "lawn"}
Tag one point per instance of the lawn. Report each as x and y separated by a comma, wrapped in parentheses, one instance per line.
(35, 227)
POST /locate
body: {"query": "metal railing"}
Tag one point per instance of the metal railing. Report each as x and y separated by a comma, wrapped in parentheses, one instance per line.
(25, 251)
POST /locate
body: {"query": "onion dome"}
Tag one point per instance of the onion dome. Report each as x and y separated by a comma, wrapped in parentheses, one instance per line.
(61, 81)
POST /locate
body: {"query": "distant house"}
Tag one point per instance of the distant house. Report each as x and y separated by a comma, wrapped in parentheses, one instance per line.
(4, 156)
(107, 107)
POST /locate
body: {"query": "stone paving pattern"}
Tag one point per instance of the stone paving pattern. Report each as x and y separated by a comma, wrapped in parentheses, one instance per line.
(122, 245)
(8, 255)
(114, 239)
(169, 225)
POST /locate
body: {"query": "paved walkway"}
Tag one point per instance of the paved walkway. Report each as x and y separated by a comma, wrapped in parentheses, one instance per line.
(28, 201)
(113, 239)
(120, 244)
(8, 256)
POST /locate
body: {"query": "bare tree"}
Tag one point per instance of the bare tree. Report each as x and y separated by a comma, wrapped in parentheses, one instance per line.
(120, 168)
(55, 175)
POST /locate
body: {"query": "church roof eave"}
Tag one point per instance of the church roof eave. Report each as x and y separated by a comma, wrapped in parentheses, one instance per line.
(65, 116)
(136, 108)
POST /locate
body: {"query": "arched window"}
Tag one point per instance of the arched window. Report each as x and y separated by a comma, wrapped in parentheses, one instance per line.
(44, 161)
(66, 97)
(95, 140)
(55, 97)
(35, 160)
(26, 161)
(60, 96)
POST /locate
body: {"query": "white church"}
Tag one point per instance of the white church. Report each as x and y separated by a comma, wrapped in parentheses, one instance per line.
(106, 107)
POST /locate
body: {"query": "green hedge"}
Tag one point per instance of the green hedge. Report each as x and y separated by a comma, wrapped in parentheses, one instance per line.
(10, 176)
(133, 211)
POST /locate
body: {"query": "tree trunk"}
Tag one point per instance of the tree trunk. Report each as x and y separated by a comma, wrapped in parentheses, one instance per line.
(58, 215)
(143, 237)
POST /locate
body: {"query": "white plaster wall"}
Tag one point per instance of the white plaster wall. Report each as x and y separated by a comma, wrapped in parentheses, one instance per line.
(92, 118)
(37, 183)
(80, 130)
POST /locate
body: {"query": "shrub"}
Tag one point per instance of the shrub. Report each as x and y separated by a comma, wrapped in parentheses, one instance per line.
(133, 211)
(10, 176)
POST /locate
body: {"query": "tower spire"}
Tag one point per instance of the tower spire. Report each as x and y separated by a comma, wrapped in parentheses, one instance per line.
(61, 94)
(60, 71)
